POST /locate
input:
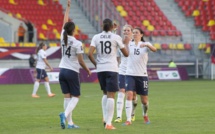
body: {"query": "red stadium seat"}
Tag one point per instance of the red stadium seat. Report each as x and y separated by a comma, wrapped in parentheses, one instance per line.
(187, 46)
(206, 9)
(146, 10)
(38, 15)
(147, 33)
(164, 46)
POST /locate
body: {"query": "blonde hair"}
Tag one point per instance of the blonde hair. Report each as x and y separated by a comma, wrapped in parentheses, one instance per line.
(128, 26)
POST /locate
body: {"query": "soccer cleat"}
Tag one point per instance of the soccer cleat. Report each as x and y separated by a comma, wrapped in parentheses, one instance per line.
(35, 96)
(73, 126)
(118, 120)
(127, 123)
(110, 127)
(104, 124)
(51, 95)
(133, 118)
(62, 120)
(146, 119)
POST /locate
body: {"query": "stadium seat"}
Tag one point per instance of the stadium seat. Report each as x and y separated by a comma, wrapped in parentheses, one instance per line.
(203, 12)
(44, 27)
(42, 36)
(187, 46)
(12, 2)
(39, 12)
(148, 13)
(164, 46)
(157, 45)
(53, 44)
(40, 2)
(208, 50)
(1, 40)
(202, 46)
(172, 46)
(180, 46)
(50, 22)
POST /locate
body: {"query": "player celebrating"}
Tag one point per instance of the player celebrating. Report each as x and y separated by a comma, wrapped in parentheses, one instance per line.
(69, 70)
(136, 73)
(106, 45)
(42, 62)
(127, 32)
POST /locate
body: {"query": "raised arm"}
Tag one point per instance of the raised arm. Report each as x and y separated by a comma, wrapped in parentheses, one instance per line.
(66, 15)
(150, 46)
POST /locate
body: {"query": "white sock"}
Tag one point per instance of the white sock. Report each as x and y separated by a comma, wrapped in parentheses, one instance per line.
(145, 109)
(110, 110)
(46, 84)
(65, 104)
(134, 102)
(36, 86)
(128, 109)
(104, 102)
(120, 104)
(71, 106)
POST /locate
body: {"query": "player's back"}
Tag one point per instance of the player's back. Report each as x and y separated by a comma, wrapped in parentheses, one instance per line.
(106, 44)
(69, 58)
(41, 55)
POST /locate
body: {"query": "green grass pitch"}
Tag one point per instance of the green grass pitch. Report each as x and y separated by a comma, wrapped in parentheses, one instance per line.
(186, 107)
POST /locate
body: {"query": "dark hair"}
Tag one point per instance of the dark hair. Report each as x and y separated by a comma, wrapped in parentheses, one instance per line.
(141, 31)
(40, 47)
(69, 28)
(107, 25)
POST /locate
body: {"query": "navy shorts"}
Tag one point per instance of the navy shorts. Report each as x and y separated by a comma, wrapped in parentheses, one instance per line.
(121, 81)
(69, 82)
(108, 81)
(41, 74)
(138, 84)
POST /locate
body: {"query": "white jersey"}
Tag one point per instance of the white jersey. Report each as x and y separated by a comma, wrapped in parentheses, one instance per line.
(137, 59)
(107, 44)
(69, 59)
(41, 55)
(123, 63)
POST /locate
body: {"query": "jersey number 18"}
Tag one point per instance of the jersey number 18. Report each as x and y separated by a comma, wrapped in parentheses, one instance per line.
(105, 47)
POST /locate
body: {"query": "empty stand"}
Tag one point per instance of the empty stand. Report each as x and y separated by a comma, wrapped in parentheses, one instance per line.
(46, 15)
(203, 12)
(147, 15)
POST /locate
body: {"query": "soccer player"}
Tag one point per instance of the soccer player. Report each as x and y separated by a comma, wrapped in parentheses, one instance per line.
(127, 32)
(42, 62)
(136, 73)
(70, 63)
(106, 45)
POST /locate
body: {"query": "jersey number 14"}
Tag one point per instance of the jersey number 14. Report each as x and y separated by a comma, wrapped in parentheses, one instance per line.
(67, 52)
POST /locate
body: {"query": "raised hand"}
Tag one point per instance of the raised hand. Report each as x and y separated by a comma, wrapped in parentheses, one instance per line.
(68, 3)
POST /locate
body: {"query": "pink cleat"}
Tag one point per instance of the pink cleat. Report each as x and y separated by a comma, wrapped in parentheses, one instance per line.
(146, 119)
(51, 95)
(35, 96)
(110, 127)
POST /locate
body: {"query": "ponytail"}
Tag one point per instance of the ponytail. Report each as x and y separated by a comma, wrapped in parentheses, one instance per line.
(69, 28)
(65, 38)
(39, 47)
(107, 25)
(142, 39)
